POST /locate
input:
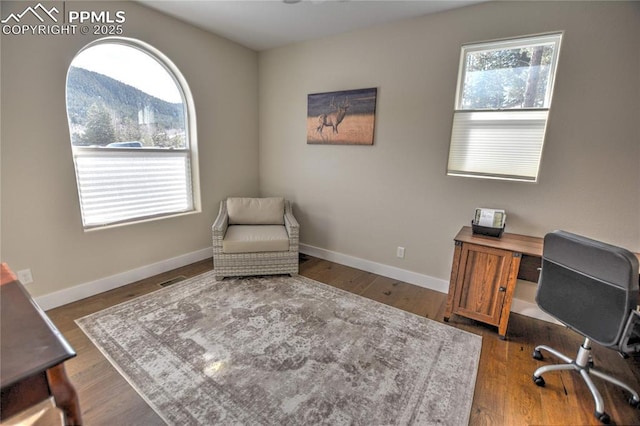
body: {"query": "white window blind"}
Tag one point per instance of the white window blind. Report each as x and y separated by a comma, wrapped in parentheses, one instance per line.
(118, 185)
(500, 144)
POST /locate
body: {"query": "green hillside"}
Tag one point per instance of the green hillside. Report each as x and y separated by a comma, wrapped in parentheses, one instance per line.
(133, 114)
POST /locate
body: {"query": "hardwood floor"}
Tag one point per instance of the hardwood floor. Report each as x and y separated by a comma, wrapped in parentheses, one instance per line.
(504, 394)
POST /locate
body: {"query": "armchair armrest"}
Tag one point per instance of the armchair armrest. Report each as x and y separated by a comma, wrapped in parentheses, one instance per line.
(292, 226)
(219, 227)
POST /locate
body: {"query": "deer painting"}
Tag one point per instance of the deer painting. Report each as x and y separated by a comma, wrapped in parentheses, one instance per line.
(335, 118)
(349, 113)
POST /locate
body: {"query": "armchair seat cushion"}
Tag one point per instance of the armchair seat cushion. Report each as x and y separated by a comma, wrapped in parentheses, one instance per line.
(255, 239)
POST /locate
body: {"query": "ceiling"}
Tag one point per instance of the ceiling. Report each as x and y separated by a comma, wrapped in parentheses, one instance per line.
(266, 24)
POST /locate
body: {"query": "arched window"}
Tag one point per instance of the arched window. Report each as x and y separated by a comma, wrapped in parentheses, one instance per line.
(133, 134)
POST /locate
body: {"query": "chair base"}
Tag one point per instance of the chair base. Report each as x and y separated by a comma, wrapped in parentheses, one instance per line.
(222, 277)
(583, 364)
(251, 264)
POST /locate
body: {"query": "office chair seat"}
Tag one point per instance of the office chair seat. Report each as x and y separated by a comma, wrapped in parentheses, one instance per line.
(592, 288)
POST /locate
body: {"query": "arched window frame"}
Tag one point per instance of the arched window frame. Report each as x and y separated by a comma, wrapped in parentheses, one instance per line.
(190, 131)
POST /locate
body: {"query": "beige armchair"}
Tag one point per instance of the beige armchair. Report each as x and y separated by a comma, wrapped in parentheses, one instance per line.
(255, 236)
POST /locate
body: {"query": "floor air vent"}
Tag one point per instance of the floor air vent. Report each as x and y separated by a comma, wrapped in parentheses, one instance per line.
(172, 281)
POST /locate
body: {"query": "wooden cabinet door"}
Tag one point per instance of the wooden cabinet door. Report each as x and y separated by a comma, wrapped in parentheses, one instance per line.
(482, 283)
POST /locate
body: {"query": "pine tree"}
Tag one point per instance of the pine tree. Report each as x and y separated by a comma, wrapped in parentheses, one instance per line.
(99, 129)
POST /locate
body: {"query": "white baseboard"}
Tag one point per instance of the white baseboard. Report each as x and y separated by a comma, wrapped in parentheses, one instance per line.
(517, 305)
(81, 291)
(529, 309)
(410, 277)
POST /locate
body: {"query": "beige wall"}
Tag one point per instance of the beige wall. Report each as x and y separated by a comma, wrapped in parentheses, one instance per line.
(358, 201)
(366, 201)
(41, 224)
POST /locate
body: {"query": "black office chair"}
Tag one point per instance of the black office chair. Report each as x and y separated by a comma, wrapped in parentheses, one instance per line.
(592, 288)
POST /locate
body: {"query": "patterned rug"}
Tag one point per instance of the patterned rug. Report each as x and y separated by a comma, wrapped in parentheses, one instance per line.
(286, 351)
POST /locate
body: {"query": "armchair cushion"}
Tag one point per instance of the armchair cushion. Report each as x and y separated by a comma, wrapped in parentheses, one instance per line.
(256, 211)
(255, 239)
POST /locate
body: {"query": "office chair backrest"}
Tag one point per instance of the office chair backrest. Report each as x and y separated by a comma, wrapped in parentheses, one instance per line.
(589, 286)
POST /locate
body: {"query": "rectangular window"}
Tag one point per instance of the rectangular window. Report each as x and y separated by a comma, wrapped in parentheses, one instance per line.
(502, 104)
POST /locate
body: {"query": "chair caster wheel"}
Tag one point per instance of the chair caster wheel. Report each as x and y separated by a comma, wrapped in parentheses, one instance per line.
(538, 380)
(537, 355)
(635, 403)
(603, 418)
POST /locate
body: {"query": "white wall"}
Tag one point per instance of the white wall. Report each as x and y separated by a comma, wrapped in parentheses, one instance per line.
(364, 201)
(41, 224)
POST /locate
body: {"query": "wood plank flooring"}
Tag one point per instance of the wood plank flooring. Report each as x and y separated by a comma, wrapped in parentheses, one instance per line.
(504, 394)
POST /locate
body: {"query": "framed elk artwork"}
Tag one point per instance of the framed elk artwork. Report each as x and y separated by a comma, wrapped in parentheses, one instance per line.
(342, 118)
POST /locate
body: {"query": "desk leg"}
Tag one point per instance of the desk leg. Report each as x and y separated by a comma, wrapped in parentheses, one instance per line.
(453, 280)
(64, 395)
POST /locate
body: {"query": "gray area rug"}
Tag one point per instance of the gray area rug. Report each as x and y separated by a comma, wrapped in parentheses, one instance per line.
(286, 351)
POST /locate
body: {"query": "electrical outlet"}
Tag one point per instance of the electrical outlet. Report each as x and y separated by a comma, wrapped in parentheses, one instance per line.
(400, 252)
(25, 276)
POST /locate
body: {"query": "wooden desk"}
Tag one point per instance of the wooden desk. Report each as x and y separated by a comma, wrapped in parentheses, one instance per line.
(484, 275)
(33, 353)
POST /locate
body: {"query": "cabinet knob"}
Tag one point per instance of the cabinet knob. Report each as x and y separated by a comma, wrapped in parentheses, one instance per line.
(502, 289)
